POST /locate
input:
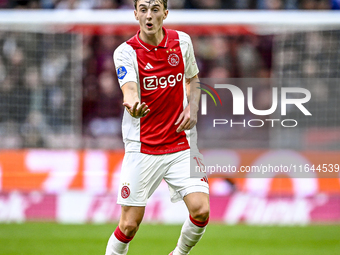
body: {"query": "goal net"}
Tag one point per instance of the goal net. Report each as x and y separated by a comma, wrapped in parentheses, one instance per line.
(311, 59)
(59, 89)
(40, 77)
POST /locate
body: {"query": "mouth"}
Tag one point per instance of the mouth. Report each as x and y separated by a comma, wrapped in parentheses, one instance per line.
(149, 25)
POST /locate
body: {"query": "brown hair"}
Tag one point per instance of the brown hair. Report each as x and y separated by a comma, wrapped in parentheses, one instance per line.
(165, 3)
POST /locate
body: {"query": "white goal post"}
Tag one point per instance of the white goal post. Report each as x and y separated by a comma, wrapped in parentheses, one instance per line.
(202, 17)
(266, 20)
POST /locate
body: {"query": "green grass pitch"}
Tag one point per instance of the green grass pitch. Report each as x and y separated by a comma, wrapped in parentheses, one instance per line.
(89, 239)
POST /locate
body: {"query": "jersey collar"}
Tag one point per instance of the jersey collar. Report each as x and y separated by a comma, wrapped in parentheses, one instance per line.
(148, 47)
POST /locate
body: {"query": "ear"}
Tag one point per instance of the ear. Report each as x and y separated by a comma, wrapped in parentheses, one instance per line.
(135, 12)
(166, 12)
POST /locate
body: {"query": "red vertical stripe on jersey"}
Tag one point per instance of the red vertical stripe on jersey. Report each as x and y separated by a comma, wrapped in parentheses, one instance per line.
(161, 75)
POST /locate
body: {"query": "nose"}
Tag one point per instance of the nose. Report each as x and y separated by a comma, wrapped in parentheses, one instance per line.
(148, 16)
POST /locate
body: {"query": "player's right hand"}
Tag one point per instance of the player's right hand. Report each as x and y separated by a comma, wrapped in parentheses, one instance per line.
(136, 110)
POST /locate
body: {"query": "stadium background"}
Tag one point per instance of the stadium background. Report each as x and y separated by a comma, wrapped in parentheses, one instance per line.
(61, 108)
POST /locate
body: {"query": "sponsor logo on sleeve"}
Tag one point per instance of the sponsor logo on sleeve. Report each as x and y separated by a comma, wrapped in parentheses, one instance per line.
(121, 72)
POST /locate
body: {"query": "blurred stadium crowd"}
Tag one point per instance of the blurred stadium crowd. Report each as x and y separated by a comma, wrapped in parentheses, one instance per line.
(38, 94)
(175, 4)
(36, 91)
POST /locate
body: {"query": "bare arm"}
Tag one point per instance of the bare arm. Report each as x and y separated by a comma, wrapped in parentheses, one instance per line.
(132, 101)
(188, 118)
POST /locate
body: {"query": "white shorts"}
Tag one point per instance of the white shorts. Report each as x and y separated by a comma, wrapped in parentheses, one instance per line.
(142, 173)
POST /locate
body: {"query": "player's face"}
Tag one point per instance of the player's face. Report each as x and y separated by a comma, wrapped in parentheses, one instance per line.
(150, 14)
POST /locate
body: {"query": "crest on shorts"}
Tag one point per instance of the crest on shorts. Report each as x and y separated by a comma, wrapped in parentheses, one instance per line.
(173, 59)
(125, 193)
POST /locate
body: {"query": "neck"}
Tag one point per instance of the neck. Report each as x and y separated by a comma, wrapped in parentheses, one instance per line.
(154, 39)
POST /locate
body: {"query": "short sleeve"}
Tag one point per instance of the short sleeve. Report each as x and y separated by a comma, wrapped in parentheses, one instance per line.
(124, 59)
(191, 68)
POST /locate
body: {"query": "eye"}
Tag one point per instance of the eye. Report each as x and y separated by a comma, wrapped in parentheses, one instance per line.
(155, 10)
(143, 10)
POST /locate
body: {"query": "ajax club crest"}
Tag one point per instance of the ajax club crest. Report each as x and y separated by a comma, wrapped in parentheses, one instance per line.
(173, 59)
(125, 193)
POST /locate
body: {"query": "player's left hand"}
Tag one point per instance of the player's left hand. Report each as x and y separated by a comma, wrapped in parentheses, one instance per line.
(187, 121)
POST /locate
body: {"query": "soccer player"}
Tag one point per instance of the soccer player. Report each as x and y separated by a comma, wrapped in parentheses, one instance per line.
(157, 73)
